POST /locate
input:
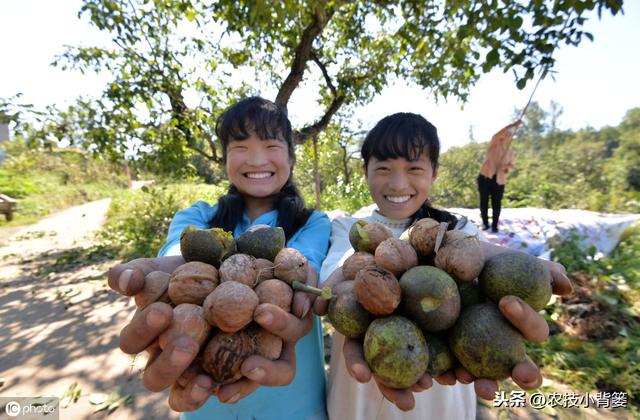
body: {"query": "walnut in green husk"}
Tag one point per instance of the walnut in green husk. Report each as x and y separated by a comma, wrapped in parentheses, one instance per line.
(209, 246)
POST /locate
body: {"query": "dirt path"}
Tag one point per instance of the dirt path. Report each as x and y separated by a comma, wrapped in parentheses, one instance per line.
(60, 322)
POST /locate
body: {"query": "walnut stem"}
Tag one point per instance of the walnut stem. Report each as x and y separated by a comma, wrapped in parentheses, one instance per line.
(324, 293)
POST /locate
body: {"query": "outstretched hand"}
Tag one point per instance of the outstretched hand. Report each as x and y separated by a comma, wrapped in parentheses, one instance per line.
(527, 375)
(532, 326)
(164, 367)
(256, 370)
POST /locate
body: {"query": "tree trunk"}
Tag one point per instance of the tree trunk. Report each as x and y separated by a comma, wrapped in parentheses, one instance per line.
(316, 174)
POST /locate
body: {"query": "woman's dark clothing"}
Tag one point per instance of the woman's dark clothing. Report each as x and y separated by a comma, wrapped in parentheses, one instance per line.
(490, 187)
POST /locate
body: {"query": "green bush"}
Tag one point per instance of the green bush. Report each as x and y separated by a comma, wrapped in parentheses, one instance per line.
(138, 221)
(609, 292)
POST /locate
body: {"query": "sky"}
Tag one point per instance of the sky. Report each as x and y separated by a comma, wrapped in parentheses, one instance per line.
(596, 83)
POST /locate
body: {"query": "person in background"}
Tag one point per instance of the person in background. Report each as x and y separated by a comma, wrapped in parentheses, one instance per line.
(498, 162)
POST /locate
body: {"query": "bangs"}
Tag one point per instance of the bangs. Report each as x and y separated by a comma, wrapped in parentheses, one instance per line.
(402, 135)
(254, 116)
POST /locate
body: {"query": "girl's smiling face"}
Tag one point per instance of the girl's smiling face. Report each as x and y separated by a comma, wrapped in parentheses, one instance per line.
(400, 186)
(258, 168)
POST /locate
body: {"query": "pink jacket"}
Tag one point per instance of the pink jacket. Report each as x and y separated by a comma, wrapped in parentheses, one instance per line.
(499, 159)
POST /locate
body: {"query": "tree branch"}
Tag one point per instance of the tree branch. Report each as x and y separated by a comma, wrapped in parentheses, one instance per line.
(303, 53)
(323, 69)
(311, 130)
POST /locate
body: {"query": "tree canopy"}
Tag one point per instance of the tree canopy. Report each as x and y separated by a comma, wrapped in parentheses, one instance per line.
(175, 64)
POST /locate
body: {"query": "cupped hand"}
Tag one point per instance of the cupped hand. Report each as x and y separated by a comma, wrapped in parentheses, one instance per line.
(164, 367)
(291, 327)
(359, 370)
(533, 328)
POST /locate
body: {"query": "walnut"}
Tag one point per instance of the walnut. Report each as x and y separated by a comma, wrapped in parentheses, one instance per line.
(264, 268)
(422, 236)
(275, 291)
(396, 256)
(356, 262)
(192, 282)
(290, 265)
(230, 306)
(188, 319)
(223, 356)
(240, 268)
(377, 290)
(155, 288)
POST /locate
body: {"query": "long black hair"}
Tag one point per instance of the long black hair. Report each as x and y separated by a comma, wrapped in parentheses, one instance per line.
(407, 135)
(265, 119)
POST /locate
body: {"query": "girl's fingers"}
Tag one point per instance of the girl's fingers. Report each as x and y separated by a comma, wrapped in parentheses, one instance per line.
(463, 376)
(447, 378)
(193, 395)
(320, 306)
(527, 375)
(354, 360)
(425, 382)
(232, 393)
(272, 372)
(486, 388)
(283, 324)
(169, 365)
(530, 324)
(560, 282)
(128, 279)
(402, 398)
(145, 327)
(303, 302)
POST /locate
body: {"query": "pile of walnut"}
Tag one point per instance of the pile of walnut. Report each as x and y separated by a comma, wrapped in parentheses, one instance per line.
(214, 301)
(427, 301)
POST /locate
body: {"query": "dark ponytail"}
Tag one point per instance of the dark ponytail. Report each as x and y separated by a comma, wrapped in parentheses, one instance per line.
(292, 213)
(230, 210)
(438, 215)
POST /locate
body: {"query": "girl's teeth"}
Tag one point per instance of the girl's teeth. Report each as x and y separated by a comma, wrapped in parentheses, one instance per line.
(259, 175)
(398, 199)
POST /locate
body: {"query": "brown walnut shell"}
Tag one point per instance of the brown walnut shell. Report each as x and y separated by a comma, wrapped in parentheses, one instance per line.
(154, 289)
(264, 269)
(460, 255)
(356, 262)
(422, 236)
(396, 256)
(230, 306)
(240, 268)
(275, 291)
(192, 282)
(223, 356)
(268, 345)
(290, 265)
(188, 319)
(377, 290)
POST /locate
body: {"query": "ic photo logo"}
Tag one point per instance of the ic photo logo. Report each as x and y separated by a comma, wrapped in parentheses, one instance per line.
(12, 408)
